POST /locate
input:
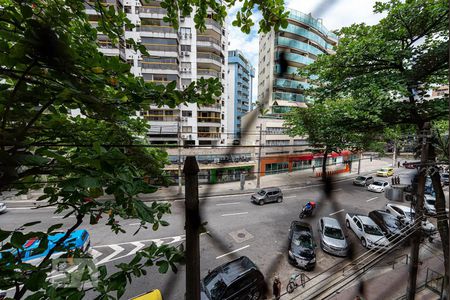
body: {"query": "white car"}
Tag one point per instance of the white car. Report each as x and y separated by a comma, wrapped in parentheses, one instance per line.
(367, 231)
(378, 186)
(2, 207)
(409, 214)
(429, 202)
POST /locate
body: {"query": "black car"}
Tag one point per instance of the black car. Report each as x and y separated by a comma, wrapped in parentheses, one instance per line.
(237, 279)
(392, 227)
(301, 246)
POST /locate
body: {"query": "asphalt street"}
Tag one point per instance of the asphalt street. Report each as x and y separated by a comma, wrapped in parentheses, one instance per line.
(235, 227)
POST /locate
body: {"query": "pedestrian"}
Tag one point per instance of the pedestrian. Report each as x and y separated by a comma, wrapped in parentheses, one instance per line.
(276, 288)
(398, 164)
(314, 168)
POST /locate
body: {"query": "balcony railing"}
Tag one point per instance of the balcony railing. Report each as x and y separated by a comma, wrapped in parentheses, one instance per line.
(153, 10)
(202, 38)
(210, 107)
(161, 47)
(156, 28)
(154, 65)
(208, 72)
(215, 135)
(169, 118)
(210, 56)
(213, 23)
(208, 120)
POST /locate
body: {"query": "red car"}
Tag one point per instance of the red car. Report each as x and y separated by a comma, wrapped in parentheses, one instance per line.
(411, 165)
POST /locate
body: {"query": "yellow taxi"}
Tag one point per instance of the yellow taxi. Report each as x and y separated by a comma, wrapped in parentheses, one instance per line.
(385, 172)
(153, 295)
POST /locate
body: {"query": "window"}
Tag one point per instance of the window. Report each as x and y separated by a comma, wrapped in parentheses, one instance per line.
(275, 130)
(185, 32)
(186, 113)
(186, 48)
(159, 41)
(277, 142)
(186, 129)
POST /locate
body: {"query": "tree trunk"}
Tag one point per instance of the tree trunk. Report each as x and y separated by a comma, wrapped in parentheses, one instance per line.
(441, 215)
(324, 164)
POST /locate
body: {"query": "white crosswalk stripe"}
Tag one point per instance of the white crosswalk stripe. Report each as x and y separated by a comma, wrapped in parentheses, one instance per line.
(117, 250)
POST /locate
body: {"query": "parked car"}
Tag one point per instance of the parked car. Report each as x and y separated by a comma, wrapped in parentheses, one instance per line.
(392, 227)
(2, 207)
(363, 180)
(367, 231)
(444, 178)
(301, 249)
(409, 214)
(385, 172)
(378, 186)
(237, 279)
(411, 165)
(332, 238)
(77, 240)
(429, 203)
(267, 195)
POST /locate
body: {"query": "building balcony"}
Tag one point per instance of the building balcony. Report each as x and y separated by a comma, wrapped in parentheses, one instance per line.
(214, 107)
(207, 73)
(209, 58)
(208, 135)
(288, 97)
(291, 84)
(158, 66)
(208, 42)
(211, 24)
(152, 12)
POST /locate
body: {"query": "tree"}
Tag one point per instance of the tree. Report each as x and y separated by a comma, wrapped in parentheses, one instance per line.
(388, 68)
(330, 125)
(50, 68)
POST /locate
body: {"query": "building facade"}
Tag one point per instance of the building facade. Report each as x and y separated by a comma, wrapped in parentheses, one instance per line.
(239, 85)
(293, 47)
(183, 56)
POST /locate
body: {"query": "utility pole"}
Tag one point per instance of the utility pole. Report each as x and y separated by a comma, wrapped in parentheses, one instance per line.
(180, 189)
(359, 163)
(258, 175)
(414, 265)
(394, 155)
(192, 227)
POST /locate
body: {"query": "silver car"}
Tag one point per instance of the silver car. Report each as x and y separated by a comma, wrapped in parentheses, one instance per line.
(363, 180)
(332, 238)
(2, 207)
(266, 195)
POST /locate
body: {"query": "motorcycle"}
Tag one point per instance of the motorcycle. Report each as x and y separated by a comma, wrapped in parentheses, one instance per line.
(307, 212)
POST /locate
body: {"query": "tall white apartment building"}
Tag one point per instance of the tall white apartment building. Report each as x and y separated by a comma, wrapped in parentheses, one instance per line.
(183, 55)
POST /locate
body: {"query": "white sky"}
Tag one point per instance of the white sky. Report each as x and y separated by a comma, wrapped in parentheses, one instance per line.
(337, 14)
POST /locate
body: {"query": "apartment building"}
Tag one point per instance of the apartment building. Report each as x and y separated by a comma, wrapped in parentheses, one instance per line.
(297, 45)
(239, 85)
(182, 55)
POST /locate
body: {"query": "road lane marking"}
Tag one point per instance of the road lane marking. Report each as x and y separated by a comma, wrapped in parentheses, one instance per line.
(62, 217)
(371, 199)
(336, 190)
(231, 252)
(289, 197)
(229, 203)
(134, 224)
(336, 212)
(235, 214)
(117, 250)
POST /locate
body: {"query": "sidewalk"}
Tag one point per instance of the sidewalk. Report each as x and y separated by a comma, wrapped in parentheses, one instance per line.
(293, 179)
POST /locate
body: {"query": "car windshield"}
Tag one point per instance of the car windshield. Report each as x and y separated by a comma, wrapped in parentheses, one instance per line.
(409, 214)
(215, 285)
(390, 221)
(378, 183)
(373, 230)
(261, 193)
(304, 241)
(431, 201)
(334, 233)
(383, 170)
(360, 178)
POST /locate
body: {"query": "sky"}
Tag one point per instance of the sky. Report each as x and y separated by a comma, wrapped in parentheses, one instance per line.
(334, 13)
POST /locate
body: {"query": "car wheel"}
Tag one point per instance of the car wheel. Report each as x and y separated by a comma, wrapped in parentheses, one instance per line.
(279, 199)
(256, 295)
(261, 202)
(347, 223)
(363, 242)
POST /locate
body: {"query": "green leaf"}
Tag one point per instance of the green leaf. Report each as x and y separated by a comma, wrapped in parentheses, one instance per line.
(4, 235)
(36, 280)
(31, 223)
(163, 266)
(164, 223)
(18, 239)
(54, 227)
